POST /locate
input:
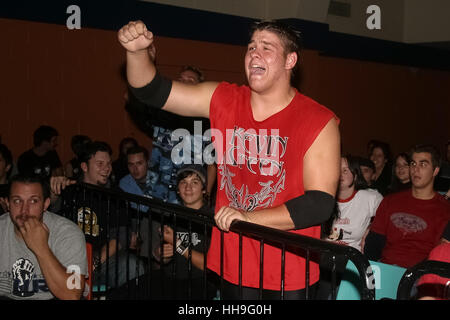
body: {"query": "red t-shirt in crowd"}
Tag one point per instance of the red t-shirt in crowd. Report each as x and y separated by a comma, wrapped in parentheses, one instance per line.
(412, 227)
(260, 165)
(440, 285)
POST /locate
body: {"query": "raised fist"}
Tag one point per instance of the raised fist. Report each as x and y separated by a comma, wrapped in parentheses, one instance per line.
(134, 36)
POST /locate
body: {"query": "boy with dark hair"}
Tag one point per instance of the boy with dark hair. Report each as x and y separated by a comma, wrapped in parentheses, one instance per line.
(190, 240)
(409, 224)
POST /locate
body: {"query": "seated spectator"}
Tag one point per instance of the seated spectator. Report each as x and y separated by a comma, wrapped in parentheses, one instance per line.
(41, 252)
(120, 165)
(409, 224)
(138, 182)
(191, 182)
(401, 179)
(357, 206)
(367, 169)
(5, 171)
(381, 157)
(96, 166)
(42, 159)
(72, 168)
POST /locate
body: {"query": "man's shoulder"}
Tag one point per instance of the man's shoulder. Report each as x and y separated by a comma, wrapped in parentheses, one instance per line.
(27, 154)
(443, 202)
(230, 90)
(4, 219)
(310, 105)
(57, 219)
(125, 181)
(60, 224)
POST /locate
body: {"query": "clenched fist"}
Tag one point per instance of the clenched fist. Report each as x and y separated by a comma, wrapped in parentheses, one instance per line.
(135, 37)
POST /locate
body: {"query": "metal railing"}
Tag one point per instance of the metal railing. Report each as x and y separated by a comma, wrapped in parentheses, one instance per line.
(414, 273)
(115, 215)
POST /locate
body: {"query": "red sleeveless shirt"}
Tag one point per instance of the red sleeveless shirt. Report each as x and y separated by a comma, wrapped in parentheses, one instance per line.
(260, 165)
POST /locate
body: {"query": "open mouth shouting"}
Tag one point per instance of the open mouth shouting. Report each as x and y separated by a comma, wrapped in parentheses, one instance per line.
(256, 69)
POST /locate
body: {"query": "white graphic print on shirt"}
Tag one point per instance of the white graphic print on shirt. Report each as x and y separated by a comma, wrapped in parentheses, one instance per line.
(260, 154)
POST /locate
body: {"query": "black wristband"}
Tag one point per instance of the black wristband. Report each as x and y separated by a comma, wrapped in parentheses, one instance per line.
(313, 208)
(155, 93)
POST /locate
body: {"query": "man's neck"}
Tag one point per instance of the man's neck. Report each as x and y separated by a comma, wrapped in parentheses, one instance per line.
(141, 180)
(425, 193)
(95, 183)
(268, 104)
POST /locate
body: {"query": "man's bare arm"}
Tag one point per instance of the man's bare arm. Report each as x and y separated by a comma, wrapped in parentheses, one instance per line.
(184, 99)
(35, 235)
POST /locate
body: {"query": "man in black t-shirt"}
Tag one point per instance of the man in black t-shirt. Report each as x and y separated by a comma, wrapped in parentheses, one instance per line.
(91, 210)
(42, 159)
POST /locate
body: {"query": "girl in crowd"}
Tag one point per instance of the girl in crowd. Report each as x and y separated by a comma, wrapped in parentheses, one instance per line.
(357, 205)
(400, 173)
(380, 155)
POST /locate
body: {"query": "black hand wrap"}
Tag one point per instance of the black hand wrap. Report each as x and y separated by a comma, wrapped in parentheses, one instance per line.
(155, 93)
(312, 208)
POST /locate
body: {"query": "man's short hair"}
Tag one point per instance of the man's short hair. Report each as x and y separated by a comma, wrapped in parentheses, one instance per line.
(429, 148)
(138, 149)
(195, 70)
(6, 154)
(43, 133)
(91, 148)
(29, 179)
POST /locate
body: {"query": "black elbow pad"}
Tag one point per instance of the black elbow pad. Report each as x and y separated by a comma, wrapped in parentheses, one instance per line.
(313, 208)
(155, 93)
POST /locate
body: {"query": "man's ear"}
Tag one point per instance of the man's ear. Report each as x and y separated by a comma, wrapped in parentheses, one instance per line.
(46, 203)
(436, 171)
(84, 166)
(291, 60)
